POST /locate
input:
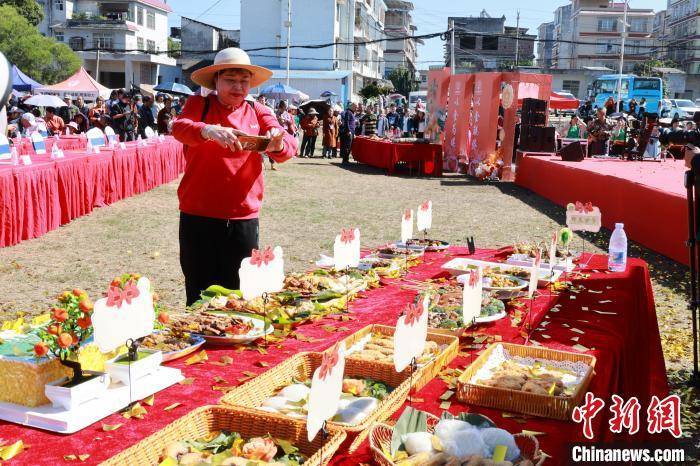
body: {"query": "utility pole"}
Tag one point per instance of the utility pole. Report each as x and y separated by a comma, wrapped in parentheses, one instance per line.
(622, 57)
(452, 46)
(289, 34)
(97, 64)
(517, 36)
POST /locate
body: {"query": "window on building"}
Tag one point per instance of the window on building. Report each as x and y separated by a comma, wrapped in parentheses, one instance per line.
(139, 16)
(489, 43)
(76, 43)
(58, 36)
(572, 86)
(151, 19)
(635, 47)
(356, 50)
(467, 42)
(607, 24)
(139, 43)
(639, 25)
(607, 47)
(102, 40)
(151, 46)
(58, 5)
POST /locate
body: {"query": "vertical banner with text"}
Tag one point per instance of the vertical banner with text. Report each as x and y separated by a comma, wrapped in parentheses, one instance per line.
(438, 82)
(487, 88)
(456, 144)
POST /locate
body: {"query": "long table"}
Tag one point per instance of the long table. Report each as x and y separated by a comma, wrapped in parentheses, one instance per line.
(639, 194)
(625, 342)
(38, 198)
(386, 155)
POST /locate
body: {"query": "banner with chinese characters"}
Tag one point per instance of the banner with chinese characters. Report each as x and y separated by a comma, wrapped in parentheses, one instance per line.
(438, 82)
(458, 109)
(483, 157)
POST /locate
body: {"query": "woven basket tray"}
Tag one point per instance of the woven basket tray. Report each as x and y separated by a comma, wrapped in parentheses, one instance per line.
(380, 441)
(248, 423)
(302, 367)
(521, 402)
(425, 373)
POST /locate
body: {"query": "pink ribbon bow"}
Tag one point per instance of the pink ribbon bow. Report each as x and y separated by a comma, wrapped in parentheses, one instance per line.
(407, 214)
(116, 296)
(330, 359)
(347, 236)
(413, 313)
(584, 208)
(425, 206)
(473, 278)
(257, 258)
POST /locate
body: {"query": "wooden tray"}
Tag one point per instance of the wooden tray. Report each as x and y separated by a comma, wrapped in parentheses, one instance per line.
(248, 423)
(302, 367)
(381, 433)
(521, 402)
(425, 373)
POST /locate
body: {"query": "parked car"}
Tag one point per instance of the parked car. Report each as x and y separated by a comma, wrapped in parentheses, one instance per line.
(681, 109)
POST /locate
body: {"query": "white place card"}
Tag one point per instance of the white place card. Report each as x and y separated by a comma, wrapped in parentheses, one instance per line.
(472, 295)
(262, 272)
(326, 389)
(424, 216)
(410, 334)
(407, 225)
(346, 249)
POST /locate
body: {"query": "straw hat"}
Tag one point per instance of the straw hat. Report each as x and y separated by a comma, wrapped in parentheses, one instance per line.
(230, 58)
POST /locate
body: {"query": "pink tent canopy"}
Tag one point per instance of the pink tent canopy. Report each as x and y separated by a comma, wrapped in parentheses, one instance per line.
(560, 102)
(80, 84)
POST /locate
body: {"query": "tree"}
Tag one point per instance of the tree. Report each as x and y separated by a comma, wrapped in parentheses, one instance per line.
(174, 48)
(29, 9)
(403, 81)
(40, 57)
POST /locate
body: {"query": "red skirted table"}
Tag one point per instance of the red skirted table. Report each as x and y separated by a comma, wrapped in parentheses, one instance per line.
(625, 342)
(40, 197)
(65, 142)
(648, 197)
(385, 154)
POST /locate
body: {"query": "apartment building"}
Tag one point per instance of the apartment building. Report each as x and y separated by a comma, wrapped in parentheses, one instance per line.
(545, 44)
(683, 34)
(399, 23)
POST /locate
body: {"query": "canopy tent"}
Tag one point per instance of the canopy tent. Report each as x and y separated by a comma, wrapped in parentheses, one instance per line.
(21, 82)
(80, 84)
(561, 102)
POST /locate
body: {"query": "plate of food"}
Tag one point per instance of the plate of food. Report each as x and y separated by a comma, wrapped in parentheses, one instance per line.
(459, 265)
(222, 327)
(173, 346)
(393, 252)
(426, 243)
(446, 314)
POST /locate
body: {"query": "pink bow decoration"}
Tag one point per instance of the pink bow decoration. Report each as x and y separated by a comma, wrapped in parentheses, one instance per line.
(116, 296)
(413, 313)
(538, 257)
(474, 278)
(347, 236)
(407, 214)
(330, 359)
(258, 259)
(584, 208)
(425, 206)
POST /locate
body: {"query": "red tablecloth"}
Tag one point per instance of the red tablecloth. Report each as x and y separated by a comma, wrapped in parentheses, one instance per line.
(65, 142)
(38, 198)
(385, 154)
(626, 345)
(624, 191)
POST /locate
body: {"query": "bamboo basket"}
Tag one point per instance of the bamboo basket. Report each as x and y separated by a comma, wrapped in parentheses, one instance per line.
(301, 367)
(381, 433)
(248, 423)
(425, 373)
(521, 402)
(23, 381)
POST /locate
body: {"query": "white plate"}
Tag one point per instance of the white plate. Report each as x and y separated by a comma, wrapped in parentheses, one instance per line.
(258, 331)
(441, 247)
(493, 318)
(460, 265)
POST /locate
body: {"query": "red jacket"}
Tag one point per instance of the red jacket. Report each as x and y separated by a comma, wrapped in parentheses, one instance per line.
(220, 183)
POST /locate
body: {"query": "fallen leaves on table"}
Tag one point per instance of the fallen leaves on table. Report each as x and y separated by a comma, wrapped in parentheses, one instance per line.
(223, 361)
(81, 458)
(197, 358)
(110, 427)
(262, 364)
(219, 379)
(187, 381)
(533, 433)
(172, 406)
(149, 400)
(329, 328)
(445, 405)
(447, 395)
(222, 388)
(135, 412)
(10, 451)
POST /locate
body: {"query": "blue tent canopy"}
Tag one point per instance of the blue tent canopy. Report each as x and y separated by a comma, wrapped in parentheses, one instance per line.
(21, 82)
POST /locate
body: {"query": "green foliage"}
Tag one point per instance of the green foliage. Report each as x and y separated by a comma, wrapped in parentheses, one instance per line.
(41, 58)
(174, 48)
(646, 68)
(403, 81)
(373, 90)
(29, 9)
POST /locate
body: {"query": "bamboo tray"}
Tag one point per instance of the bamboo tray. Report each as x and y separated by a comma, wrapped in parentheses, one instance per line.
(381, 433)
(248, 423)
(427, 371)
(521, 402)
(302, 367)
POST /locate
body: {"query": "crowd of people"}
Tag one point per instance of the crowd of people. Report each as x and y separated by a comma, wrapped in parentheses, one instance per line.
(127, 113)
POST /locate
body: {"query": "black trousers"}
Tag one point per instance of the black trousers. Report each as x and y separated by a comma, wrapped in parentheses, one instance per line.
(211, 251)
(346, 146)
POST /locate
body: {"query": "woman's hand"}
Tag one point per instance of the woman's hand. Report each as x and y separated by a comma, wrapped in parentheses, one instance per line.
(276, 140)
(225, 137)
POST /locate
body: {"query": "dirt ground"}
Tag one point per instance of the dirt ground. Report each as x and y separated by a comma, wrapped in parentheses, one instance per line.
(307, 202)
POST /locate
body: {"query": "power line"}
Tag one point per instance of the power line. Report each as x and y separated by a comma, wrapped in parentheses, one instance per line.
(208, 9)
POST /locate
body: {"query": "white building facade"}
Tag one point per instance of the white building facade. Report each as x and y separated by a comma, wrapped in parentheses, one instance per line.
(264, 27)
(130, 37)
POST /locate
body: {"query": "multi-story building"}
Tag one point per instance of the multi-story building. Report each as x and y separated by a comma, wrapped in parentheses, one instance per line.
(200, 40)
(592, 34)
(483, 43)
(399, 23)
(659, 32)
(345, 68)
(683, 34)
(121, 42)
(545, 44)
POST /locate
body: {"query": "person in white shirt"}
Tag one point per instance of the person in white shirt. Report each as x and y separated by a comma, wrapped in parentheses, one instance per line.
(158, 105)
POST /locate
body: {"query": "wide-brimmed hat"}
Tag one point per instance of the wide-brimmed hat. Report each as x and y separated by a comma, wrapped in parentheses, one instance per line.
(73, 125)
(230, 58)
(312, 112)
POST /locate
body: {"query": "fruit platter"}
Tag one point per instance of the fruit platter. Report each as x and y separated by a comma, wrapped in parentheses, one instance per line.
(426, 244)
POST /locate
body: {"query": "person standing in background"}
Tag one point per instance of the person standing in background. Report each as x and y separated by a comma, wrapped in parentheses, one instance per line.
(309, 124)
(347, 132)
(124, 118)
(54, 123)
(157, 106)
(96, 112)
(382, 124)
(68, 111)
(330, 133)
(146, 119)
(167, 109)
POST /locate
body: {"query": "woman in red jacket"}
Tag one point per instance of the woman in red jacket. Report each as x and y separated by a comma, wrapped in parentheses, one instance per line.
(222, 189)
